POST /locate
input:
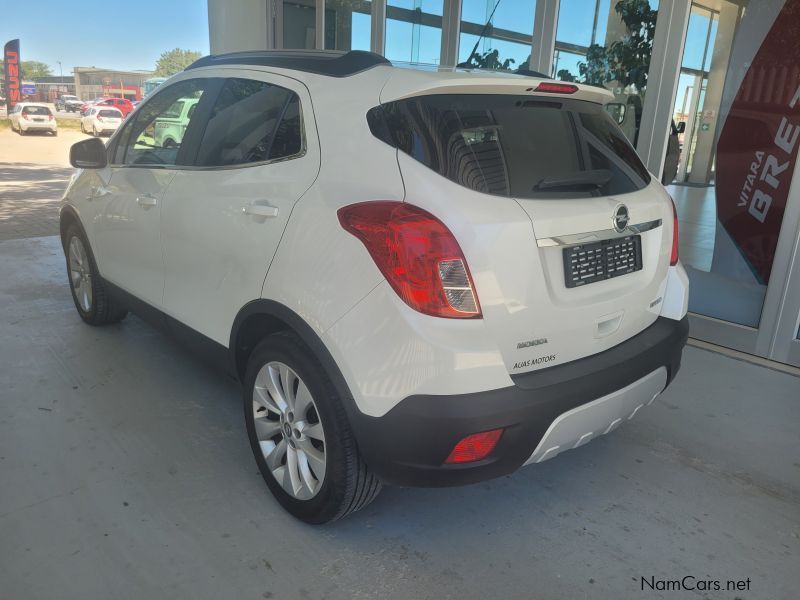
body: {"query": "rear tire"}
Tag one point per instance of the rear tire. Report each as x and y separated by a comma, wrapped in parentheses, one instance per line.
(89, 293)
(290, 378)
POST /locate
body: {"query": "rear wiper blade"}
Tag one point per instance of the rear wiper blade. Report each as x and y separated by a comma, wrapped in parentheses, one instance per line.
(580, 180)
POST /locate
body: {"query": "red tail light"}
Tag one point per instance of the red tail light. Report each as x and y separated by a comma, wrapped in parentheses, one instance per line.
(100, 119)
(474, 447)
(49, 117)
(673, 259)
(417, 254)
(556, 88)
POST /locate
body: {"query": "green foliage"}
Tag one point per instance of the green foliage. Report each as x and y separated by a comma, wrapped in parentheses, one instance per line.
(565, 75)
(627, 60)
(489, 60)
(33, 69)
(174, 61)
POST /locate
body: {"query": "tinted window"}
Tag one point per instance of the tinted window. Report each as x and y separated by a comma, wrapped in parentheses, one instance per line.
(251, 121)
(155, 136)
(514, 146)
(114, 114)
(36, 110)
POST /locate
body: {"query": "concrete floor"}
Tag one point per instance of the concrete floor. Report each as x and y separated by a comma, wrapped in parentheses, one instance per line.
(125, 473)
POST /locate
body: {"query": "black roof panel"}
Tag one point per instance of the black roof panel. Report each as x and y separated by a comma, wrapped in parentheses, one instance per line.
(322, 62)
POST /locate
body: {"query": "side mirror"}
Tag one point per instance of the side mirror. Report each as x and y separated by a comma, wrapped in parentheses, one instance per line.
(681, 127)
(617, 111)
(88, 154)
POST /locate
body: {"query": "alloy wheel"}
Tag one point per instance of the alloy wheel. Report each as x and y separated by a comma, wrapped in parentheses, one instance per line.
(80, 273)
(289, 430)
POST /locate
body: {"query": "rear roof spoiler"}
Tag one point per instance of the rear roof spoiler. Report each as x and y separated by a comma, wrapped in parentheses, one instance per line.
(406, 83)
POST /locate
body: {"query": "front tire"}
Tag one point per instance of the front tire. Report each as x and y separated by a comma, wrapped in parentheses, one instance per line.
(300, 434)
(89, 293)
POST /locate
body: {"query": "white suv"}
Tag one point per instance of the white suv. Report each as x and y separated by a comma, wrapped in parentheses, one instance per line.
(419, 278)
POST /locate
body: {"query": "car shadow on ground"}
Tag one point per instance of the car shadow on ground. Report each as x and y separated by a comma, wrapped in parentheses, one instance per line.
(29, 199)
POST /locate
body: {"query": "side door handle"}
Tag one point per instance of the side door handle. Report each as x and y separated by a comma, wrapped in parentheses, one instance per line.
(260, 209)
(146, 200)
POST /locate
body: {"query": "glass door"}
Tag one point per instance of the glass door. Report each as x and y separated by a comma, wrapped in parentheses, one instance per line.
(738, 99)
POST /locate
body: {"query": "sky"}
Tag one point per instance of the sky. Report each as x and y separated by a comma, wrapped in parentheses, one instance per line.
(132, 36)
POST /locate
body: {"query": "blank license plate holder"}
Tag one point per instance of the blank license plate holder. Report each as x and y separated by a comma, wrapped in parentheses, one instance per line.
(598, 261)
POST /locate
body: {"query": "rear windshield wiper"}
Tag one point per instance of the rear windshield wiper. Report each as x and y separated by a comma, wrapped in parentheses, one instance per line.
(582, 180)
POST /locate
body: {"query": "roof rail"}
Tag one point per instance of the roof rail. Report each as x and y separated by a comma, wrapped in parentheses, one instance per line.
(322, 62)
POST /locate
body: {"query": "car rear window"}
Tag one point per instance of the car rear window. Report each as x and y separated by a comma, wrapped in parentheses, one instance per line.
(113, 114)
(515, 146)
(174, 111)
(36, 110)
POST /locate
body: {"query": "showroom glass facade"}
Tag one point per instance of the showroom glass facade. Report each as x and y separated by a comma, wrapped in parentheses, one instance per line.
(687, 78)
(510, 33)
(348, 24)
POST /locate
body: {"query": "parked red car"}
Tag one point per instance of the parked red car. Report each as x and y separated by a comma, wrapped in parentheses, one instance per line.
(123, 104)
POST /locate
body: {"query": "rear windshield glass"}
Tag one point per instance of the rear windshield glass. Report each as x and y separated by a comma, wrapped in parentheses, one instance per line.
(35, 110)
(110, 113)
(514, 146)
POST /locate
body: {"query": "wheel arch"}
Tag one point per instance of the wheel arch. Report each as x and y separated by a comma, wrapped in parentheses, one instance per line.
(67, 216)
(260, 318)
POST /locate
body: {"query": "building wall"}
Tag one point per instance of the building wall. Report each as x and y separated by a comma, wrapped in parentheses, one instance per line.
(91, 82)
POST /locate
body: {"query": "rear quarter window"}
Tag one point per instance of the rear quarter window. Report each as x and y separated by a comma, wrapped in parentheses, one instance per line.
(513, 146)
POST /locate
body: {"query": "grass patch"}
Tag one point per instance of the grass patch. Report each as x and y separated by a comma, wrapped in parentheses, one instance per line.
(73, 124)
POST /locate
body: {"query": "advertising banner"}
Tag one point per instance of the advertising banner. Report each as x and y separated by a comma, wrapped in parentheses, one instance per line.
(12, 73)
(758, 146)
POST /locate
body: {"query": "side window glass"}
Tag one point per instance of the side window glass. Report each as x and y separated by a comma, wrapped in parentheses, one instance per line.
(289, 134)
(155, 137)
(247, 120)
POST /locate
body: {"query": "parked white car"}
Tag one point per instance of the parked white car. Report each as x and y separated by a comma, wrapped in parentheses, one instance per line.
(101, 120)
(31, 116)
(419, 278)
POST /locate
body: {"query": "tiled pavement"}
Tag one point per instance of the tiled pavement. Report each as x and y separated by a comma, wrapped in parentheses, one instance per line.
(29, 197)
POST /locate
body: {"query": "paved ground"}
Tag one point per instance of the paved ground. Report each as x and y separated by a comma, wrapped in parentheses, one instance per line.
(125, 473)
(34, 171)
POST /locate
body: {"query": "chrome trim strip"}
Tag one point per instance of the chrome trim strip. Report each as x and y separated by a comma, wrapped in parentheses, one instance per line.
(596, 236)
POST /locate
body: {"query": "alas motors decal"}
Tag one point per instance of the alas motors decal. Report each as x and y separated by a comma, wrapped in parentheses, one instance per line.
(758, 145)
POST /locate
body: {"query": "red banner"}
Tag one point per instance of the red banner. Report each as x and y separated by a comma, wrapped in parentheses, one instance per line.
(758, 145)
(13, 75)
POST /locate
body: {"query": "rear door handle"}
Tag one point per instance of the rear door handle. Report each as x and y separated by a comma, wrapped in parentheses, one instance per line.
(146, 201)
(261, 209)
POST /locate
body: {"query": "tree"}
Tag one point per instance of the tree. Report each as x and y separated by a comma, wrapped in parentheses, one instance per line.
(33, 69)
(626, 61)
(173, 61)
(488, 60)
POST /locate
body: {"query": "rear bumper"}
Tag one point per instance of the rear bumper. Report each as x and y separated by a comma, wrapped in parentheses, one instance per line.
(29, 126)
(543, 413)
